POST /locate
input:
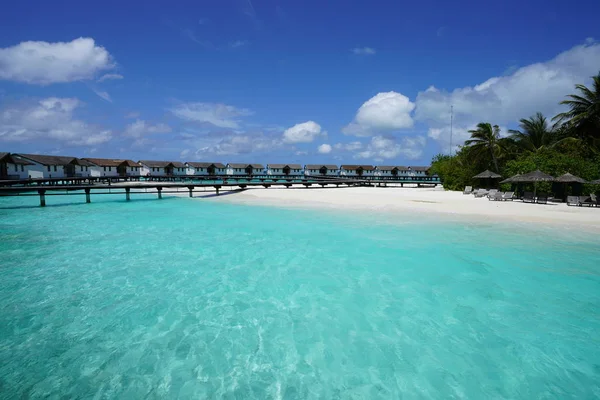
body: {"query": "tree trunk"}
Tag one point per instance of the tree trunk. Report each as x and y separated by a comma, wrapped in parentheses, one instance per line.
(494, 160)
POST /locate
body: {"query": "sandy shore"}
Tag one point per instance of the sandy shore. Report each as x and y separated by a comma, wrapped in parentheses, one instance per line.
(418, 200)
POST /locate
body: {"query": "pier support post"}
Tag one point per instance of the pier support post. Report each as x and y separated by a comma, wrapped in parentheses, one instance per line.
(87, 196)
(159, 192)
(191, 188)
(127, 194)
(42, 193)
(217, 188)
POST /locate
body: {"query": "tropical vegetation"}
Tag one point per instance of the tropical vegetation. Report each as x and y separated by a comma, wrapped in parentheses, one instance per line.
(568, 142)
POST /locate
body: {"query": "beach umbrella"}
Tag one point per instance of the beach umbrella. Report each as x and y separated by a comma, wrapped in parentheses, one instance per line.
(512, 179)
(569, 178)
(489, 175)
(596, 182)
(534, 177)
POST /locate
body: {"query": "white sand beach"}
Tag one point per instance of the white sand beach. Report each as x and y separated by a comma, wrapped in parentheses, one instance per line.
(418, 200)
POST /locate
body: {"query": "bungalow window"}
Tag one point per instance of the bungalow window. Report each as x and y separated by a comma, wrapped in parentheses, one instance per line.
(55, 168)
(109, 169)
(16, 168)
(48, 168)
(22, 168)
(104, 169)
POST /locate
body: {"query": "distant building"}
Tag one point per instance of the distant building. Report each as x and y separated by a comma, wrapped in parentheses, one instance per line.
(43, 166)
(418, 171)
(162, 168)
(388, 170)
(206, 168)
(245, 169)
(113, 167)
(321, 170)
(357, 170)
(284, 169)
(13, 167)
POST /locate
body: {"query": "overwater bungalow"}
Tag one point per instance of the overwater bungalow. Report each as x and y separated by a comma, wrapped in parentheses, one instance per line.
(284, 169)
(418, 171)
(245, 169)
(388, 170)
(357, 170)
(163, 168)
(13, 167)
(322, 170)
(44, 166)
(206, 168)
(113, 167)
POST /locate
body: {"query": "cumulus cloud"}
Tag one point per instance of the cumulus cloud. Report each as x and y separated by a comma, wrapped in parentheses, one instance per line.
(381, 148)
(220, 115)
(107, 77)
(383, 112)
(240, 144)
(43, 63)
(503, 100)
(364, 51)
(51, 118)
(324, 148)
(141, 128)
(305, 132)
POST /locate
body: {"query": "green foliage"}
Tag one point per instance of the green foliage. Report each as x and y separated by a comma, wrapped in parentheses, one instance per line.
(572, 145)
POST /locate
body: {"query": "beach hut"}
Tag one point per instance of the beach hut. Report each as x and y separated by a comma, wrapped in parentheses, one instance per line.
(111, 167)
(488, 176)
(534, 177)
(284, 169)
(163, 168)
(388, 170)
(321, 170)
(567, 179)
(13, 167)
(418, 171)
(357, 170)
(44, 166)
(244, 169)
(206, 168)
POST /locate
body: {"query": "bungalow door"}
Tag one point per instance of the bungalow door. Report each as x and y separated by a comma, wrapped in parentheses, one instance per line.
(359, 171)
(69, 170)
(249, 170)
(3, 170)
(122, 170)
(323, 171)
(169, 170)
(286, 170)
(211, 170)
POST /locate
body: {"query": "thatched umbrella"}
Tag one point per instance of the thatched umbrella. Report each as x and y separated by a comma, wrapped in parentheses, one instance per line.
(512, 179)
(569, 178)
(489, 175)
(596, 182)
(534, 177)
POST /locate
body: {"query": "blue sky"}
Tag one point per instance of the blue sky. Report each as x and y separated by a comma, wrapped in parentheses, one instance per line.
(282, 81)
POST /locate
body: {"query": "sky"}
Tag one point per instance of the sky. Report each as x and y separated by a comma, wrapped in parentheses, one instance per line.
(282, 81)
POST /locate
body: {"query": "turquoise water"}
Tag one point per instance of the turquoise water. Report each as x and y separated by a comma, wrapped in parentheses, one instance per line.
(189, 298)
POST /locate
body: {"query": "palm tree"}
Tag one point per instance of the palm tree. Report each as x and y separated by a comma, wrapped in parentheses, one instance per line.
(485, 140)
(534, 133)
(583, 116)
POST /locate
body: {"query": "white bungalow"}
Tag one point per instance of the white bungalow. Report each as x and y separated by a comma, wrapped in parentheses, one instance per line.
(357, 170)
(206, 168)
(284, 169)
(321, 170)
(54, 166)
(113, 167)
(388, 170)
(245, 169)
(162, 168)
(13, 167)
(419, 171)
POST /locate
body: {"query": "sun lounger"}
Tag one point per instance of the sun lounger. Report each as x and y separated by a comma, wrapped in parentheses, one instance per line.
(508, 196)
(572, 200)
(542, 198)
(496, 196)
(481, 193)
(528, 197)
(468, 190)
(594, 200)
(585, 201)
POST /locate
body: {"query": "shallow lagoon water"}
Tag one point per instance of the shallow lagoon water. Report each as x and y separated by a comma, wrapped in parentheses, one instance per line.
(195, 299)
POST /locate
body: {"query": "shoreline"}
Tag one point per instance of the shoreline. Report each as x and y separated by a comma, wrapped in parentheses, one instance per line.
(433, 202)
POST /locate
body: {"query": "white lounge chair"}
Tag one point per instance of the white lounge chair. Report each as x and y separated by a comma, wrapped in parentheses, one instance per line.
(496, 196)
(468, 190)
(481, 193)
(508, 196)
(572, 200)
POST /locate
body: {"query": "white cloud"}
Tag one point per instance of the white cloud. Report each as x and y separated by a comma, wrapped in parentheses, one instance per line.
(102, 95)
(240, 144)
(184, 153)
(301, 153)
(352, 146)
(238, 43)
(44, 63)
(381, 148)
(383, 112)
(504, 100)
(52, 119)
(133, 114)
(364, 51)
(305, 132)
(140, 128)
(107, 77)
(324, 148)
(220, 115)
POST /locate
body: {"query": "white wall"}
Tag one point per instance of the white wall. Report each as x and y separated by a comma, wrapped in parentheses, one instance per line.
(180, 171)
(18, 170)
(154, 171)
(236, 171)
